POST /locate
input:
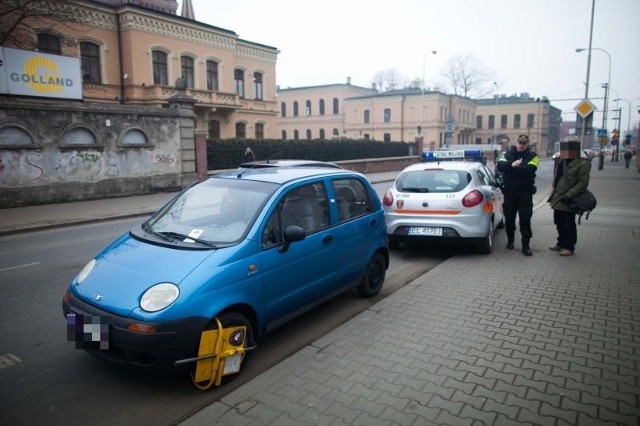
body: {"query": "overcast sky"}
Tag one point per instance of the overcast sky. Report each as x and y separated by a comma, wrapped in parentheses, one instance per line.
(529, 45)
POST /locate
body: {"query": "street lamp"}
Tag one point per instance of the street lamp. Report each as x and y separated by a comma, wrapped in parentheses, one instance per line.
(606, 92)
(629, 119)
(424, 60)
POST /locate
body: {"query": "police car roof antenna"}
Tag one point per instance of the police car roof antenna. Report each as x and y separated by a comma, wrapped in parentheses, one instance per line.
(257, 164)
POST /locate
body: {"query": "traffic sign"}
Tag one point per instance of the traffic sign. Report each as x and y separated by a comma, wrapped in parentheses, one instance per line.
(584, 108)
(602, 140)
(602, 132)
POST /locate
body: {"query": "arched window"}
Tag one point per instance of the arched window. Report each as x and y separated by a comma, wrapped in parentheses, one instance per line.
(79, 136)
(322, 134)
(321, 107)
(214, 129)
(259, 131)
(238, 76)
(336, 110)
(283, 109)
(134, 137)
(336, 133)
(186, 70)
(308, 134)
(284, 135)
(366, 116)
(49, 43)
(15, 136)
(257, 86)
(295, 108)
(387, 115)
(307, 108)
(296, 135)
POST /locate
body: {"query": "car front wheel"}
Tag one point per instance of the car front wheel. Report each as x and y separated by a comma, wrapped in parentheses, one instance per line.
(374, 276)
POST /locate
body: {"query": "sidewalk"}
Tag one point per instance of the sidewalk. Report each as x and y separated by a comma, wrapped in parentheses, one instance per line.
(499, 339)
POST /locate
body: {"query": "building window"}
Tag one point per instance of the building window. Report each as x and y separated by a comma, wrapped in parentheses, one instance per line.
(366, 116)
(13, 135)
(238, 76)
(134, 137)
(90, 62)
(336, 134)
(212, 75)
(367, 136)
(284, 135)
(186, 70)
(308, 134)
(387, 137)
(516, 121)
(295, 108)
(321, 107)
(259, 131)
(503, 121)
(214, 129)
(322, 135)
(387, 115)
(307, 108)
(492, 121)
(283, 109)
(336, 110)
(49, 43)
(79, 136)
(530, 120)
(296, 135)
(257, 86)
(241, 130)
(160, 73)
(479, 122)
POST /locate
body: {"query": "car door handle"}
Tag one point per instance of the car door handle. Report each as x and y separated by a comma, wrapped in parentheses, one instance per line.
(327, 239)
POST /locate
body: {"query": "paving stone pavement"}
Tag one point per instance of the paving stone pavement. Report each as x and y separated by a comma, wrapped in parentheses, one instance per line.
(481, 340)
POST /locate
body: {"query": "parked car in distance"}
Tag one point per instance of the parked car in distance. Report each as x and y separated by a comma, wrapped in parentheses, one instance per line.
(451, 197)
(227, 260)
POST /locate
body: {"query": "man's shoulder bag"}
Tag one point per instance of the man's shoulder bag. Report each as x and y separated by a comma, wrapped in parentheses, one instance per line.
(583, 203)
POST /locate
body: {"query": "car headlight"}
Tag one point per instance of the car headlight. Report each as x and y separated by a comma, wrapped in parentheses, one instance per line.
(159, 297)
(84, 273)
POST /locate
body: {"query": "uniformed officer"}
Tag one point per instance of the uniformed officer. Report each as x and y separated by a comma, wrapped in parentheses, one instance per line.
(519, 165)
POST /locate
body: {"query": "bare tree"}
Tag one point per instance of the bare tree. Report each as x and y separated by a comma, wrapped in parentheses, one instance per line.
(390, 79)
(20, 18)
(466, 75)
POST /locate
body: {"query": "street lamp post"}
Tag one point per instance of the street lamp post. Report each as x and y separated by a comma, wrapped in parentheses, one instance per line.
(424, 61)
(606, 93)
(628, 124)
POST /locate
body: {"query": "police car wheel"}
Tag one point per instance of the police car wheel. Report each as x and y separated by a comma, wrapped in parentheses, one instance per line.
(486, 245)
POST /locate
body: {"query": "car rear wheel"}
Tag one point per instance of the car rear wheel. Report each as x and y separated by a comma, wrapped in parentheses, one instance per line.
(486, 245)
(374, 276)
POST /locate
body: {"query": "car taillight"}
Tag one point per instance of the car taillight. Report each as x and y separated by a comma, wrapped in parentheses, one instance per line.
(388, 199)
(472, 199)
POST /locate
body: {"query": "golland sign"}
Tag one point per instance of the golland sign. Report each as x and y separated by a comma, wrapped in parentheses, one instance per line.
(28, 73)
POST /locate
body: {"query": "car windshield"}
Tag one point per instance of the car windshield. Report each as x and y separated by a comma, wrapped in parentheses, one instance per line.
(433, 180)
(214, 212)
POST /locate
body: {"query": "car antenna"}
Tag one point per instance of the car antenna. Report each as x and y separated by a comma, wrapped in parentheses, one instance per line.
(257, 164)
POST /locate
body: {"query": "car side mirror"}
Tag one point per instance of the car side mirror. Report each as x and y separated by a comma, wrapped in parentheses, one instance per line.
(291, 234)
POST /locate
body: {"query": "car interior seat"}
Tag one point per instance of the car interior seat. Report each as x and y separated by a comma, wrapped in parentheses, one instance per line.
(346, 198)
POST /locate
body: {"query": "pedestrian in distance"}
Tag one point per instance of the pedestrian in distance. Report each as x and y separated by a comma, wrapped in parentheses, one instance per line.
(518, 166)
(249, 156)
(627, 158)
(570, 177)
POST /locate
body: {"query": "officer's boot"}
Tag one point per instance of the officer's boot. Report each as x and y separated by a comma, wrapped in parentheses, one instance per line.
(510, 241)
(526, 250)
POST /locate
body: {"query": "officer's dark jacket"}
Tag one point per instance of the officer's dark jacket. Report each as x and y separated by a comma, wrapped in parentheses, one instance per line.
(518, 178)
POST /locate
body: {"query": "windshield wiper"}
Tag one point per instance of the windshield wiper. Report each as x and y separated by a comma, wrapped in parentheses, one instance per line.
(171, 234)
(147, 228)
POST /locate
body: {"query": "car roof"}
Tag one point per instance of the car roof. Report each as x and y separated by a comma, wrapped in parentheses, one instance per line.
(288, 163)
(444, 165)
(282, 175)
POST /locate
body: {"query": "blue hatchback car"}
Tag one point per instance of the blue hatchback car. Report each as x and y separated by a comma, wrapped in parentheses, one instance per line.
(238, 254)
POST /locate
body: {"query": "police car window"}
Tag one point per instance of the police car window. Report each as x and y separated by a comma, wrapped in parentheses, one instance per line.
(433, 181)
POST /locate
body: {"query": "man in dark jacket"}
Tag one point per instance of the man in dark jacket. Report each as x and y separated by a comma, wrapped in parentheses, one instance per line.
(570, 177)
(518, 166)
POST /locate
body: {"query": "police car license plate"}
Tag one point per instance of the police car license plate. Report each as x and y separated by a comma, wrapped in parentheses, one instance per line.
(429, 231)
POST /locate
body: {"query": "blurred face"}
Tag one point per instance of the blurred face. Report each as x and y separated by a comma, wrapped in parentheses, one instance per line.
(569, 150)
(522, 144)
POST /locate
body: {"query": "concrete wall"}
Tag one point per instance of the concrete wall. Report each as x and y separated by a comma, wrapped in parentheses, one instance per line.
(51, 169)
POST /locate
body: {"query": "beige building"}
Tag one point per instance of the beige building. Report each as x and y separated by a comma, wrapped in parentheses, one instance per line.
(352, 112)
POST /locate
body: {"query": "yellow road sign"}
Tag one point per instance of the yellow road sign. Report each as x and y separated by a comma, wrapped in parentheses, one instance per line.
(584, 108)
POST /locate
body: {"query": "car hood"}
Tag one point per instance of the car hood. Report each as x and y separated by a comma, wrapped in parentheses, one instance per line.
(128, 267)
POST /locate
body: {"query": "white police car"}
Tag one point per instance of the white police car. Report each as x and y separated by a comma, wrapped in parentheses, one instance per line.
(450, 197)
